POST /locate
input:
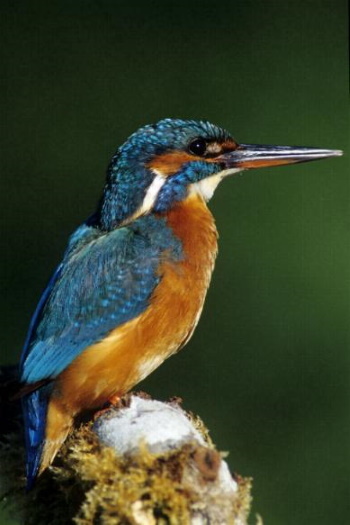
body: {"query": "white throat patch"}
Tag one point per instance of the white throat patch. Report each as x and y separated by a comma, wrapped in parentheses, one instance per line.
(207, 186)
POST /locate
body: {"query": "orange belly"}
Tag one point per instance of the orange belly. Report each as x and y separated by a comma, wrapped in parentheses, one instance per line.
(132, 351)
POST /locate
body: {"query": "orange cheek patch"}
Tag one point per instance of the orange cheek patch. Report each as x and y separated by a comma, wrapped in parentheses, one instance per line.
(170, 163)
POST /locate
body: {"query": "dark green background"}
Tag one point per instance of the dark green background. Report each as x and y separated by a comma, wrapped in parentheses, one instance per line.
(267, 368)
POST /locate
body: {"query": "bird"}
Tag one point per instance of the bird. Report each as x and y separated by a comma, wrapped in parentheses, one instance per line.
(132, 282)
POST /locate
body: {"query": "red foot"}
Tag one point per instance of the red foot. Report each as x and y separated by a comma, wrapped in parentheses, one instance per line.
(112, 401)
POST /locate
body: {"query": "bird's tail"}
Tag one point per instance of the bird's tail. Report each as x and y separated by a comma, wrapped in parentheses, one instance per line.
(34, 407)
(47, 424)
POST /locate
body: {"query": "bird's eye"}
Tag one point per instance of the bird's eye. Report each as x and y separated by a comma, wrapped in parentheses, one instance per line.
(198, 147)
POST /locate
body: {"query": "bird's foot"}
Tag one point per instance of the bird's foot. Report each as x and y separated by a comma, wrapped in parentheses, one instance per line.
(113, 401)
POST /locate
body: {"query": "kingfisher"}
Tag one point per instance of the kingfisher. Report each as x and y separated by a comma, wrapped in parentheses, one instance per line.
(131, 285)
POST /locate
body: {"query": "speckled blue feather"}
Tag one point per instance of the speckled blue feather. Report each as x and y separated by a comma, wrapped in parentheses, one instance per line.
(128, 176)
(175, 188)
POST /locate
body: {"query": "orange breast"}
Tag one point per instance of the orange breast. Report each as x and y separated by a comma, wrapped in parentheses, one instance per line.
(133, 350)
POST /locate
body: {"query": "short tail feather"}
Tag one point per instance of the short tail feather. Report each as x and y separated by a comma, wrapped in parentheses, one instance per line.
(47, 424)
(34, 414)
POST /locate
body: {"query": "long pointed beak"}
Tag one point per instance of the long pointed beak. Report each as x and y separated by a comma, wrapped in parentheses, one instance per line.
(248, 156)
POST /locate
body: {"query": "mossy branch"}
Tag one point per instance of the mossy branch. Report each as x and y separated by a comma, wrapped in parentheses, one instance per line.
(143, 463)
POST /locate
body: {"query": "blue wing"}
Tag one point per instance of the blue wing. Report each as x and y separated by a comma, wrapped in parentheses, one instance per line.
(104, 280)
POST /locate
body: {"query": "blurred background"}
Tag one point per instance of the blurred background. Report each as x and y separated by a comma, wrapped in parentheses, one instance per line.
(267, 368)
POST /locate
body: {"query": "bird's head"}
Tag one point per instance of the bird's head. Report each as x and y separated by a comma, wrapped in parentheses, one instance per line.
(161, 164)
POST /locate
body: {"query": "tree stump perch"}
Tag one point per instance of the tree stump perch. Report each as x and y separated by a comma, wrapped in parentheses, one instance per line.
(143, 462)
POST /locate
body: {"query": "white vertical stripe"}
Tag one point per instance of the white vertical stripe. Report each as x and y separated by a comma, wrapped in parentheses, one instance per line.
(149, 199)
(152, 193)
